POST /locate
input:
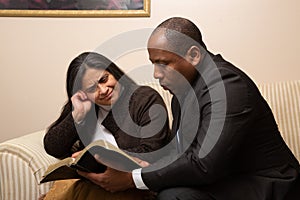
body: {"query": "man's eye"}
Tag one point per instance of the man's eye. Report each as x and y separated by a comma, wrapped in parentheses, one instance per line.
(161, 64)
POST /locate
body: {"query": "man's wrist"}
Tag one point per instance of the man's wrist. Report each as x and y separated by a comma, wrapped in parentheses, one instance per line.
(137, 179)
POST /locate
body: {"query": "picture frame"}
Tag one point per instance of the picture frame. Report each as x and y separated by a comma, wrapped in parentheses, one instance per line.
(139, 8)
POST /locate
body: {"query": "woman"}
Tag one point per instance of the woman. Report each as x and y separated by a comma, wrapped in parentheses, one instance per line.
(104, 103)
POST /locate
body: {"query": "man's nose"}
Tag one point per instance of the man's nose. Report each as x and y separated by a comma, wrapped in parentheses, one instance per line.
(157, 74)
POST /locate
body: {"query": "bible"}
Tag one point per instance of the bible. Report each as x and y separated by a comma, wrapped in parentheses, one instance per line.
(108, 155)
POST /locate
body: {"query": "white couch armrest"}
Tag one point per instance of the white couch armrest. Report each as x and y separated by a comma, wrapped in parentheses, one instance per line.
(23, 162)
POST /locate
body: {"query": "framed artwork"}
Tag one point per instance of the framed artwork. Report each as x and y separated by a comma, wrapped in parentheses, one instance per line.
(75, 8)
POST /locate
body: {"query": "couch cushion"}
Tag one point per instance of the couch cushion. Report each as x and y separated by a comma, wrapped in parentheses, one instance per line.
(284, 100)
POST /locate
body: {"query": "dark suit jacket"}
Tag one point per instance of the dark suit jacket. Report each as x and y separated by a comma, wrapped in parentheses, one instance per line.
(231, 140)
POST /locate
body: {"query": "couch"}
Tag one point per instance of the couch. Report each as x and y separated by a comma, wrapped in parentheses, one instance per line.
(23, 160)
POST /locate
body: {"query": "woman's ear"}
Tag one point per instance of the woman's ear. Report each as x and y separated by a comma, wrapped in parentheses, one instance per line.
(193, 55)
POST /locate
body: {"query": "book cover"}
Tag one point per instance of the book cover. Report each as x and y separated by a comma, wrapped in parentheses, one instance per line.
(108, 155)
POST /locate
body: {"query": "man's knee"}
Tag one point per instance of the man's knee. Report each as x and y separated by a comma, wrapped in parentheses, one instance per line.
(181, 193)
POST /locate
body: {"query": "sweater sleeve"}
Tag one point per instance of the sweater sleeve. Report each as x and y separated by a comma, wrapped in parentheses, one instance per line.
(153, 121)
(61, 139)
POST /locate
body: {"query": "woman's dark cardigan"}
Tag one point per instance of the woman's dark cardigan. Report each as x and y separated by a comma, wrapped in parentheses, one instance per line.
(129, 121)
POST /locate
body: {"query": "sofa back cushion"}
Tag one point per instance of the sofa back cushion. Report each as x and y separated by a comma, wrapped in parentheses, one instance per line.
(284, 100)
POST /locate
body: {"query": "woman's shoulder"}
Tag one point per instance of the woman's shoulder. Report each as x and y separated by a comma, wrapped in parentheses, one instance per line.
(144, 94)
(145, 90)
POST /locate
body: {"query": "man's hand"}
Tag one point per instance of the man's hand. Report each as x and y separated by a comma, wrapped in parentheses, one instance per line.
(111, 180)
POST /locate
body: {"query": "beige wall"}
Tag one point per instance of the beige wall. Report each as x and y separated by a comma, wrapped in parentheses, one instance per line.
(259, 36)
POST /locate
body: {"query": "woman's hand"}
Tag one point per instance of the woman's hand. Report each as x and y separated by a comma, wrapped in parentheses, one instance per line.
(74, 155)
(82, 106)
(142, 163)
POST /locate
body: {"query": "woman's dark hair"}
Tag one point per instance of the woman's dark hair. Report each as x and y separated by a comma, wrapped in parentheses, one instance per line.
(76, 71)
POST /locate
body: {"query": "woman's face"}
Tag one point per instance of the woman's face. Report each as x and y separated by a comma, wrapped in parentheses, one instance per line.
(100, 86)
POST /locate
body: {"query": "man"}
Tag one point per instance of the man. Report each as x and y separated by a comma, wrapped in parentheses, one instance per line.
(228, 143)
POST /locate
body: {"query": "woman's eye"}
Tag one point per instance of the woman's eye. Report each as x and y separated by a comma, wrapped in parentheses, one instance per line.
(91, 89)
(103, 79)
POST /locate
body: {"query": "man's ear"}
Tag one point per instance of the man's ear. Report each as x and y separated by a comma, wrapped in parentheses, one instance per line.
(193, 55)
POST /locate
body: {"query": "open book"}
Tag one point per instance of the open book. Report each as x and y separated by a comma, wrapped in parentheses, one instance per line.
(108, 155)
